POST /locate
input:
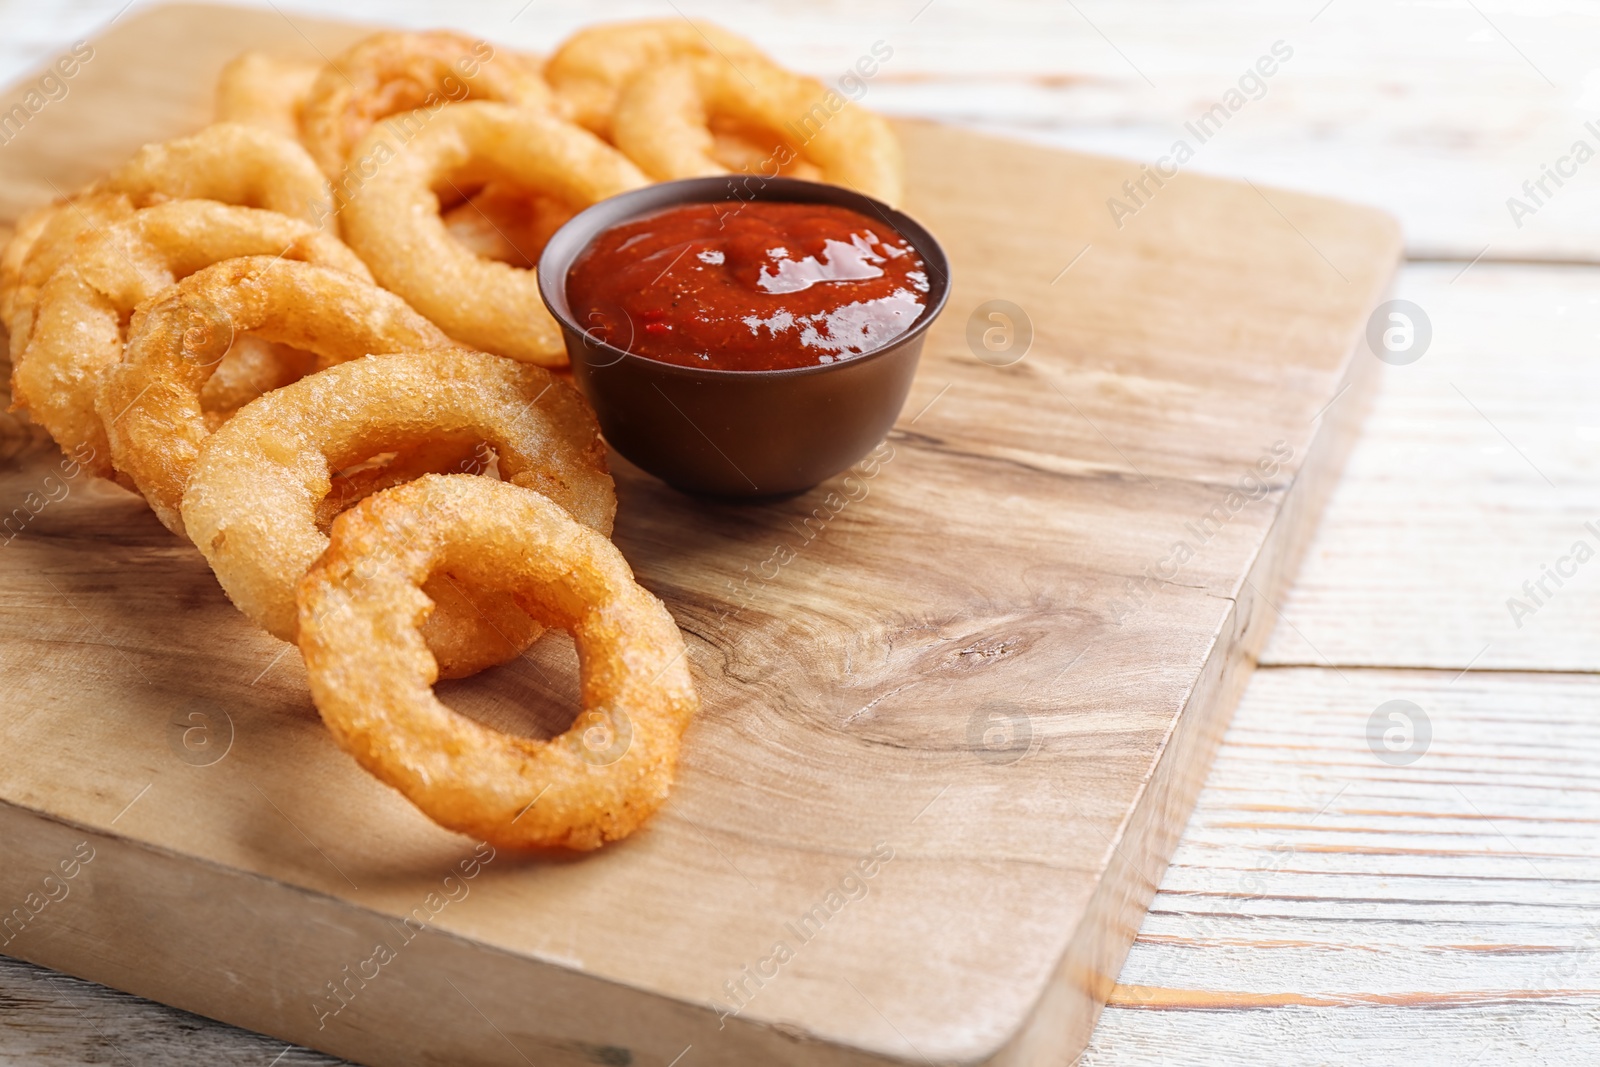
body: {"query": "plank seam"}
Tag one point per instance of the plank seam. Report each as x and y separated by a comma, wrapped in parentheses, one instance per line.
(1513, 671)
(1504, 261)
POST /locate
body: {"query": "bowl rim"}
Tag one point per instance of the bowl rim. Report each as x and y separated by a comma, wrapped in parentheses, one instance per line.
(581, 230)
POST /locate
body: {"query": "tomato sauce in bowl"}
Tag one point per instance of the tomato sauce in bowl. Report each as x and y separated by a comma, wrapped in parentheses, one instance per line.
(765, 285)
(742, 337)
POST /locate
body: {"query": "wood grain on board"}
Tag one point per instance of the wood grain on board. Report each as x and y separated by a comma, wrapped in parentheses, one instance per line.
(956, 674)
(1324, 907)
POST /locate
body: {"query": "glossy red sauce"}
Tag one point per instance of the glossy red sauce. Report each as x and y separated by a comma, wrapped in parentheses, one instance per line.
(761, 285)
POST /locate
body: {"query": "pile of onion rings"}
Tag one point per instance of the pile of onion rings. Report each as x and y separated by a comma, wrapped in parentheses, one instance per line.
(252, 510)
(453, 162)
(360, 438)
(150, 401)
(74, 330)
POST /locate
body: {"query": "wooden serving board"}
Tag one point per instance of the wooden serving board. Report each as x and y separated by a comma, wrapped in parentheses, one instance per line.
(951, 730)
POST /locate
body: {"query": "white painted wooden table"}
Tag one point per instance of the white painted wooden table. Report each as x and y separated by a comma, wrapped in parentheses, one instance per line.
(1333, 901)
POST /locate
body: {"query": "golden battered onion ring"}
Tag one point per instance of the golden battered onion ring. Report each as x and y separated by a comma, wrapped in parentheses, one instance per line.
(370, 671)
(392, 73)
(663, 119)
(589, 70)
(251, 505)
(227, 162)
(150, 402)
(77, 331)
(260, 89)
(45, 238)
(230, 162)
(29, 227)
(391, 217)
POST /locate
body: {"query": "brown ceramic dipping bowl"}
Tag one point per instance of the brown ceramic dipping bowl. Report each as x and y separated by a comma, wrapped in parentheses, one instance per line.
(732, 432)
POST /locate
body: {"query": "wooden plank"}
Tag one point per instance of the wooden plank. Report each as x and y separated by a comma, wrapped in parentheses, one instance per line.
(1436, 112)
(1479, 473)
(842, 701)
(54, 1020)
(1329, 906)
(1504, 1032)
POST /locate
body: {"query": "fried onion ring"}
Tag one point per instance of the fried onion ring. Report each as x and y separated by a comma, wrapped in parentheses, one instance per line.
(228, 162)
(150, 402)
(392, 73)
(370, 672)
(252, 501)
(392, 218)
(664, 116)
(30, 226)
(260, 89)
(45, 238)
(236, 164)
(589, 70)
(77, 330)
